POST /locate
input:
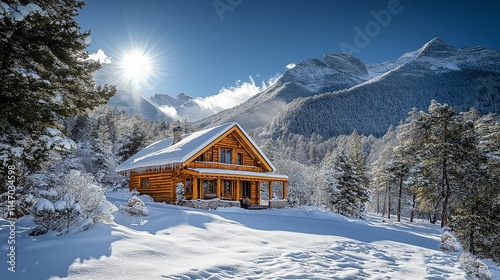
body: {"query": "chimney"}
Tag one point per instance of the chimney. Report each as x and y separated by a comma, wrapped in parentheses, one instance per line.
(177, 134)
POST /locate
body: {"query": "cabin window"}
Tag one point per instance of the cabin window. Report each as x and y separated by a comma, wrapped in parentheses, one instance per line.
(201, 157)
(209, 186)
(228, 187)
(189, 185)
(225, 155)
(240, 159)
(144, 182)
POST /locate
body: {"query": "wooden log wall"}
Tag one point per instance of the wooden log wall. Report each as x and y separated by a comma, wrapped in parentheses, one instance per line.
(231, 142)
(161, 185)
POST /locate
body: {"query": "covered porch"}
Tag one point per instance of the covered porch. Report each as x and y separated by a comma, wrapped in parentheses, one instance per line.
(232, 185)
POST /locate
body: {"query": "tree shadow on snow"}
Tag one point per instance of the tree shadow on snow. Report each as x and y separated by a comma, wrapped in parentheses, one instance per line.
(47, 256)
(360, 231)
(160, 218)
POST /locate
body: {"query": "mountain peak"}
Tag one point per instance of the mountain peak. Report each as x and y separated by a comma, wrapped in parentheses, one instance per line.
(184, 97)
(325, 74)
(436, 48)
(436, 41)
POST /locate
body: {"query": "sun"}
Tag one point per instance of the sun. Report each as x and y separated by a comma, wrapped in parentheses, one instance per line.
(136, 66)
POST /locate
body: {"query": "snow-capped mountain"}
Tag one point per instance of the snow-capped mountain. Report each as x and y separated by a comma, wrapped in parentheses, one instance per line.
(332, 72)
(167, 100)
(308, 78)
(437, 55)
(339, 93)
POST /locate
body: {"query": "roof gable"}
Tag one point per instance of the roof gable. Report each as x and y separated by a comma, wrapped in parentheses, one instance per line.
(163, 153)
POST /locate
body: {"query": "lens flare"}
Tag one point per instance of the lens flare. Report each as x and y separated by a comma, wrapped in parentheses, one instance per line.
(136, 66)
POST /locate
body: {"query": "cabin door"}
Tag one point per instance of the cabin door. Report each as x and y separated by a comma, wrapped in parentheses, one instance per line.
(246, 189)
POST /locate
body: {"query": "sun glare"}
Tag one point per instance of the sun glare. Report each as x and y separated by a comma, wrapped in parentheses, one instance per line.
(136, 66)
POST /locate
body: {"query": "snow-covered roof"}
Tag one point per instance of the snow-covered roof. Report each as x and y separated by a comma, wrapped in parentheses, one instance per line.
(238, 173)
(163, 153)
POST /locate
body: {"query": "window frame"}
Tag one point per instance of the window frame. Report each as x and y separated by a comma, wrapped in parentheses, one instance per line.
(188, 186)
(200, 157)
(210, 184)
(144, 182)
(228, 186)
(224, 153)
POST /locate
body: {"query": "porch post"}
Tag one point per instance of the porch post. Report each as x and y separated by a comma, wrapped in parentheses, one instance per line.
(195, 188)
(218, 188)
(270, 190)
(237, 191)
(284, 189)
(257, 183)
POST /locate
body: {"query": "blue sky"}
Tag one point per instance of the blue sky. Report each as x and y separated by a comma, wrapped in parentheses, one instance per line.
(201, 46)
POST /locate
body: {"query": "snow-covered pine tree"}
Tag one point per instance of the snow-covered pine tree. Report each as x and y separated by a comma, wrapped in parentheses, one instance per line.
(45, 75)
(344, 188)
(102, 155)
(132, 143)
(399, 167)
(439, 156)
(354, 152)
(470, 183)
(382, 184)
(474, 217)
(410, 140)
(488, 128)
(382, 154)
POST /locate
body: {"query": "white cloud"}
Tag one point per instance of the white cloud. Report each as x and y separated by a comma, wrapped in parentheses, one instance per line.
(170, 111)
(100, 57)
(234, 95)
(290, 66)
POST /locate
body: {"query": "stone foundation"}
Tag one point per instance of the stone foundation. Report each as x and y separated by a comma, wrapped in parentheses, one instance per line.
(206, 204)
(278, 203)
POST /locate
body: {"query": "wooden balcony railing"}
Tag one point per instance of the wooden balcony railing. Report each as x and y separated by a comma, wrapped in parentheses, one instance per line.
(226, 166)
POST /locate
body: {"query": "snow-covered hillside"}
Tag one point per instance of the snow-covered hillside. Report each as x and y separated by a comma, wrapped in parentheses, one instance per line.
(182, 243)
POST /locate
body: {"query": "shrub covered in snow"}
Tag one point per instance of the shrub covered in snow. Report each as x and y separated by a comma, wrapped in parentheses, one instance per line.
(135, 207)
(449, 242)
(73, 204)
(474, 267)
(179, 192)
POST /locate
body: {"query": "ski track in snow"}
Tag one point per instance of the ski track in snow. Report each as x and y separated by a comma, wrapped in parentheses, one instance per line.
(182, 243)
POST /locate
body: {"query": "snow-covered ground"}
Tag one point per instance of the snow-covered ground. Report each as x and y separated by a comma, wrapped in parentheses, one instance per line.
(182, 243)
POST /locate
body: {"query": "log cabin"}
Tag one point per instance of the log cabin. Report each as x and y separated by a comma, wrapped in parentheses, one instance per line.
(221, 162)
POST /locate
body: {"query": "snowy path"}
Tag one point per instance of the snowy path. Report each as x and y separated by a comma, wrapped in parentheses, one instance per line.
(182, 243)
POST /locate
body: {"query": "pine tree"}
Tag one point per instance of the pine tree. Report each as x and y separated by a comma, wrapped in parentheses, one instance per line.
(488, 129)
(344, 189)
(133, 143)
(442, 132)
(357, 158)
(45, 75)
(474, 216)
(410, 141)
(390, 174)
(383, 179)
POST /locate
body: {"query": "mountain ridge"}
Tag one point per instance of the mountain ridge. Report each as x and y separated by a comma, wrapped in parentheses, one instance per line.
(313, 97)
